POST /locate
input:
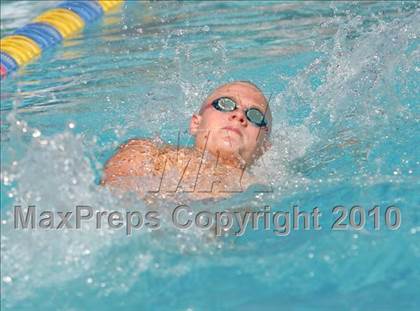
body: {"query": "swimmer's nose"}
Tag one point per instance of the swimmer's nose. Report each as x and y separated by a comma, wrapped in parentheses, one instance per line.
(238, 115)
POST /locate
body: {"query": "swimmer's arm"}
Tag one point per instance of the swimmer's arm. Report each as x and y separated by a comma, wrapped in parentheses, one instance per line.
(131, 161)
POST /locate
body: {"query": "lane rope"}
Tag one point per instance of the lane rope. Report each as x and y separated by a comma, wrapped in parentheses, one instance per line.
(49, 29)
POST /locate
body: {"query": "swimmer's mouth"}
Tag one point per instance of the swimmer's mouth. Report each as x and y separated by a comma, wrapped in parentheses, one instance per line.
(232, 129)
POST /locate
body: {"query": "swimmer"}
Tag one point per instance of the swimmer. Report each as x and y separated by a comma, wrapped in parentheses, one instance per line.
(231, 131)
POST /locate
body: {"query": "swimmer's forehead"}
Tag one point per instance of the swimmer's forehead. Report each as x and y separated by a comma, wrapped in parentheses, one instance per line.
(244, 93)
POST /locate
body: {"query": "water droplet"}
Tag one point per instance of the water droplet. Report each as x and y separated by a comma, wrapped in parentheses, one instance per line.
(36, 133)
(7, 279)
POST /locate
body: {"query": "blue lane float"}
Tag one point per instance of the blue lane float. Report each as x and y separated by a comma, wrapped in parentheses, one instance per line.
(8, 62)
(48, 29)
(88, 10)
(43, 34)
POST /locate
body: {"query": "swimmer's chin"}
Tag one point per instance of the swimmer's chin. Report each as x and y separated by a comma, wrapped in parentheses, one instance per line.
(229, 145)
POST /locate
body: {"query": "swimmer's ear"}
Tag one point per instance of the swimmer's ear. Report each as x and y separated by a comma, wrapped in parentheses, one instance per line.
(195, 124)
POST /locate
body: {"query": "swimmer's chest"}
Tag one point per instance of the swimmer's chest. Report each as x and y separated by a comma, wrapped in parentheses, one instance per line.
(188, 167)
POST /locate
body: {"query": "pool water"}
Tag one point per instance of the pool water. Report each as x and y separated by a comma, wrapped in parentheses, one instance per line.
(344, 84)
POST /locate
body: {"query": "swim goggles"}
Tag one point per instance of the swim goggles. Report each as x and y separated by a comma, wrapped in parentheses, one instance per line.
(254, 115)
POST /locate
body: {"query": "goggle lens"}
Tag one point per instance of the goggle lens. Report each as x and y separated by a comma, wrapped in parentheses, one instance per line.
(224, 104)
(254, 115)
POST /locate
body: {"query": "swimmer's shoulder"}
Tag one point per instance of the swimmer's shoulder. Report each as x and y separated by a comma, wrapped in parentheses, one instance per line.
(148, 146)
(132, 158)
(144, 157)
(137, 151)
(138, 144)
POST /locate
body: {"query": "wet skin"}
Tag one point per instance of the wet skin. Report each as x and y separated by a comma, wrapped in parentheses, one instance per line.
(226, 143)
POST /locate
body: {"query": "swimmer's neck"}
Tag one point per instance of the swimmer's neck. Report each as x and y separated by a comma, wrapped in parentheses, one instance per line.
(231, 161)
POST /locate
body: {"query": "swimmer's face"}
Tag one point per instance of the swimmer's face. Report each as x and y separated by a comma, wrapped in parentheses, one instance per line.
(231, 134)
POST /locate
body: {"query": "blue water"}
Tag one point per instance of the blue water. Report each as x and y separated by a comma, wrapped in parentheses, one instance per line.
(344, 80)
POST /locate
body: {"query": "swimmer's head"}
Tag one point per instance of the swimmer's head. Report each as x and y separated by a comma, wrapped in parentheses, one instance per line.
(231, 134)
